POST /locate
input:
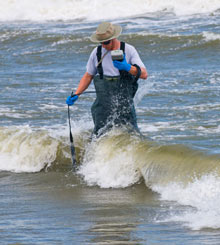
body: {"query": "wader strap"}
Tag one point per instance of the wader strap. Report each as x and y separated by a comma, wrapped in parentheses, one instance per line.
(122, 47)
(122, 73)
(99, 57)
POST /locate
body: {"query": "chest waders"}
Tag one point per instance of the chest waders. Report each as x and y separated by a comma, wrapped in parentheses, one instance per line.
(114, 104)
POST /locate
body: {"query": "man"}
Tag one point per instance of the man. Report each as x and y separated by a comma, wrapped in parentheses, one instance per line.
(115, 81)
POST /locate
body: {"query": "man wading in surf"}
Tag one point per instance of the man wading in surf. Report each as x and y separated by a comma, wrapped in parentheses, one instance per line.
(115, 81)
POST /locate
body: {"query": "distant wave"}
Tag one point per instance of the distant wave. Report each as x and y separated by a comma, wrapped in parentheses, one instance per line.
(182, 41)
(43, 10)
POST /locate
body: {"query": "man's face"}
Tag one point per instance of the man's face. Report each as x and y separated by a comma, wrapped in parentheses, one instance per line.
(107, 45)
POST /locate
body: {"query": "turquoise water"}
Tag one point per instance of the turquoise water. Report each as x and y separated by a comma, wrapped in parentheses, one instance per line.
(163, 189)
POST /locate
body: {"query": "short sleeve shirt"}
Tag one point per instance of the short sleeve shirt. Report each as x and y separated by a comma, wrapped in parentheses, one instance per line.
(132, 58)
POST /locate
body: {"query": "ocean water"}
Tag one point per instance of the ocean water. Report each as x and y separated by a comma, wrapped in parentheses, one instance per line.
(163, 188)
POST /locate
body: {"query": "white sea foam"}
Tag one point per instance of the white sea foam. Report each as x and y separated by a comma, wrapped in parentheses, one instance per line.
(210, 36)
(40, 10)
(65, 41)
(10, 113)
(24, 150)
(143, 90)
(158, 126)
(108, 164)
(203, 195)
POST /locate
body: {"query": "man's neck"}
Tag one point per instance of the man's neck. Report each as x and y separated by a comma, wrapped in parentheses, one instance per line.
(116, 44)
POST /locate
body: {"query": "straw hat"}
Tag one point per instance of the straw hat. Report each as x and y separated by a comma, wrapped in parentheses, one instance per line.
(105, 31)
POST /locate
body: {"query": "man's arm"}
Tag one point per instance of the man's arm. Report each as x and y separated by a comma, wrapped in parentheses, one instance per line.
(135, 59)
(84, 83)
(134, 72)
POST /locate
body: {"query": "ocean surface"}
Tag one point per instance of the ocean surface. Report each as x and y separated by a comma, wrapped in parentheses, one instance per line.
(163, 188)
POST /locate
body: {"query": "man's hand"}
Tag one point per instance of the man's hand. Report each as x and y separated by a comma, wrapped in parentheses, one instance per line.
(122, 65)
(72, 99)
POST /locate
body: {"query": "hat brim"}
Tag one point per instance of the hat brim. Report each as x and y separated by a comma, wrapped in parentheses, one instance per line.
(117, 33)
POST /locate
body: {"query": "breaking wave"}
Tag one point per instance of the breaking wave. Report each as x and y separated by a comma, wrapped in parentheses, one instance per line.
(179, 174)
(120, 159)
(23, 149)
(43, 10)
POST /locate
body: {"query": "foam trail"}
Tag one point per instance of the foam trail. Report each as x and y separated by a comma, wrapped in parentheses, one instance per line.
(203, 195)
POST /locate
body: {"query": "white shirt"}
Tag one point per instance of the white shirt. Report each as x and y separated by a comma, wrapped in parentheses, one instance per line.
(132, 58)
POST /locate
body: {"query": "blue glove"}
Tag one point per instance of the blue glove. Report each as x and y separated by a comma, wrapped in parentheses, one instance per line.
(71, 99)
(122, 65)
